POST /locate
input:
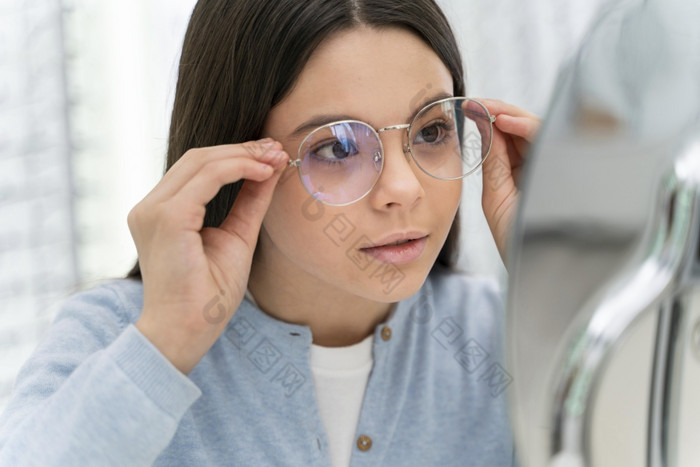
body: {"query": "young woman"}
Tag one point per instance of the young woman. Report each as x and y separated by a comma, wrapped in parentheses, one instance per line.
(295, 300)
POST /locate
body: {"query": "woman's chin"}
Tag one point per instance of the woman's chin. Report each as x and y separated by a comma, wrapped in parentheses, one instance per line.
(389, 283)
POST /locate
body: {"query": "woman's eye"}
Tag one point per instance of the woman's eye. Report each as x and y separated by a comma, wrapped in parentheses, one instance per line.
(336, 150)
(430, 134)
(433, 133)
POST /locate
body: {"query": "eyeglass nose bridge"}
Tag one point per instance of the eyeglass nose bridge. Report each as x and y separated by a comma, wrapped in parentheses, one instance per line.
(404, 126)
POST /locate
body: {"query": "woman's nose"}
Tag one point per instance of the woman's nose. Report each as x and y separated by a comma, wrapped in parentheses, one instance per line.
(398, 185)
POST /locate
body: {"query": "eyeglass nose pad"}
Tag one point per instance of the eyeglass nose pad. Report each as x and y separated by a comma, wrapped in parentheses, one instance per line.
(377, 159)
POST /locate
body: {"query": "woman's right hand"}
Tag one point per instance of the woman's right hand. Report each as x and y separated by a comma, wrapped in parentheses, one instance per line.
(194, 279)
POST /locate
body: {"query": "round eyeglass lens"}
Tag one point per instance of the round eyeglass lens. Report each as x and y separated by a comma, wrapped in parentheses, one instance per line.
(340, 162)
(449, 139)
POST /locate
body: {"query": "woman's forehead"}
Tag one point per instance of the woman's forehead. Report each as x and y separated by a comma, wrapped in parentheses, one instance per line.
(373, 74)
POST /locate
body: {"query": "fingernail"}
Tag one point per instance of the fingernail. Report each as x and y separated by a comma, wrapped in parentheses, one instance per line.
(268, 143)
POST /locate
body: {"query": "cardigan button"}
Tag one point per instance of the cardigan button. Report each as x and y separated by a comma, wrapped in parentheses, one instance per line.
(386, 333)
(364, 442)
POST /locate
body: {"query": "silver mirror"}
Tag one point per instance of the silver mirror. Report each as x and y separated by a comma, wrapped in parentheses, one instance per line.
(603, 314)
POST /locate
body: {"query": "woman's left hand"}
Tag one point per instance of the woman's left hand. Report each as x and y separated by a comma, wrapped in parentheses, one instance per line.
(513, 131)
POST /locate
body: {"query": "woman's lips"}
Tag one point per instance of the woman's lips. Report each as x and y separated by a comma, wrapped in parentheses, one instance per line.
(398, 254)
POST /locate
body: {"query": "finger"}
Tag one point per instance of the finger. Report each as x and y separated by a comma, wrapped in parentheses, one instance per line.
(524, 127)
(497, 107)
(497, 166)
(514, 148)
(522, 147)
(240, 227)
(516, 172)
(208, 181)
(194, 159)
(519, 145)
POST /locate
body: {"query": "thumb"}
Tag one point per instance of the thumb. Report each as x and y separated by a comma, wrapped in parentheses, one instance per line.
(524, 127)
(253, 200)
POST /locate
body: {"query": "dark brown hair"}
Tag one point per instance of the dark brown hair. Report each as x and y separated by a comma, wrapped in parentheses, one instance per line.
(241, 57)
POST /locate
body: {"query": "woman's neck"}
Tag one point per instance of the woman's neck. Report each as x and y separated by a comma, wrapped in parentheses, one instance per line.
(336, 318)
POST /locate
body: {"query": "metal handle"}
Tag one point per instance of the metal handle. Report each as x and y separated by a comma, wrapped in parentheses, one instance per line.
(672, 246)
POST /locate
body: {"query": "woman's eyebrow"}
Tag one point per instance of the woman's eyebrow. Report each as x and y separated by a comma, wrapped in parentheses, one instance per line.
(317, 121)
(320, 120)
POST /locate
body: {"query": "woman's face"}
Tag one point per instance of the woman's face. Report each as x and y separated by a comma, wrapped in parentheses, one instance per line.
(381, 77)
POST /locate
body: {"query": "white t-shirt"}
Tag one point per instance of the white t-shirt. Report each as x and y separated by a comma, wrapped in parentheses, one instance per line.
(340, 378)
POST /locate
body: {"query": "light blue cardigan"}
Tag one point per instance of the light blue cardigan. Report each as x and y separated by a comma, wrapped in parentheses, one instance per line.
(97, 392)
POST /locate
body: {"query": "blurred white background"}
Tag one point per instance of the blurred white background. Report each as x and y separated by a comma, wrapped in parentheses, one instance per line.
(86, 89)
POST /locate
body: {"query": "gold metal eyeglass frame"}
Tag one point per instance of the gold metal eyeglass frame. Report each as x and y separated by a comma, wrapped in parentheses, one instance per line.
(407, 148)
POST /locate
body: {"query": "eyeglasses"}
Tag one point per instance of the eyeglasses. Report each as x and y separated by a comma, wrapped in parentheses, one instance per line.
(339, 163)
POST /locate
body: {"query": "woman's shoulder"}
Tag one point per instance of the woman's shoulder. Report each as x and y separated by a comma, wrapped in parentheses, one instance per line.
(454, 286)
(470, 304)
